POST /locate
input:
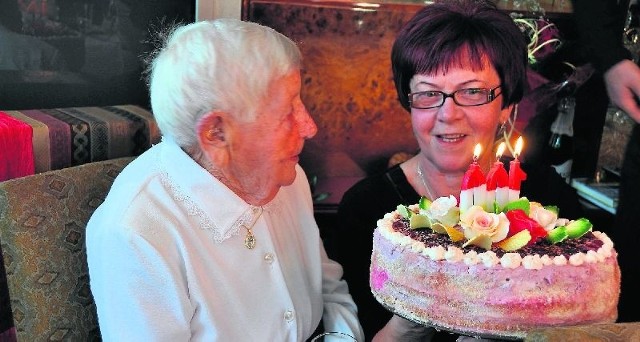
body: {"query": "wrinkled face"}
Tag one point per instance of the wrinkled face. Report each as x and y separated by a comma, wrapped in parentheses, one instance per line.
(265, 151)
(447, 134)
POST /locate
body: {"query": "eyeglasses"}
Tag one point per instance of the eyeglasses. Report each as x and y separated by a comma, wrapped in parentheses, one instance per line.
(462, 97)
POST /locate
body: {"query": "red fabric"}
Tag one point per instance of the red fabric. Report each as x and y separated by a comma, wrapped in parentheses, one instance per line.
(16, 148)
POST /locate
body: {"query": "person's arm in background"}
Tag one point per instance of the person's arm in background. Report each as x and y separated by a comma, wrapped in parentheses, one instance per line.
(600, 25)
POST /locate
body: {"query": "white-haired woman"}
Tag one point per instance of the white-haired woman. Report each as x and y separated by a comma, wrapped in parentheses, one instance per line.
(210, 234)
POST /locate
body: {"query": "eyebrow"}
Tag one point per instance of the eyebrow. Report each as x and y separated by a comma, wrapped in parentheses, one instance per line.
(465, 83)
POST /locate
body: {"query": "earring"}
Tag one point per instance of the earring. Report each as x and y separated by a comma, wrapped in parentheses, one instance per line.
(501, 130)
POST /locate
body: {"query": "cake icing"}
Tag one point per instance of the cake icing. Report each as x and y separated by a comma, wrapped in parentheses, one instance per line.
(433, 269)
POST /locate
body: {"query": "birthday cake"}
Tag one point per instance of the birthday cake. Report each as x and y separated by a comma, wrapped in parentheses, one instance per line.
(493, 267)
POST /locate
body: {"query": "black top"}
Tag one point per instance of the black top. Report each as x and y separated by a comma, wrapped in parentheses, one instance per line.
(600, 25)
(369, 199)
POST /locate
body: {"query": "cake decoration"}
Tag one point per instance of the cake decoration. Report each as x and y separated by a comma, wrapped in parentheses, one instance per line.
(498, 268)
(516, 175)
(484, 219)
(498, 181)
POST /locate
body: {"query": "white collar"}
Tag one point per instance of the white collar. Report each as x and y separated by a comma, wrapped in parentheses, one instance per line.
(217, 208)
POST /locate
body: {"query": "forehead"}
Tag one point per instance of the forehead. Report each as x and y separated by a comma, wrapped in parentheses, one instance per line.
(459, 75)
(281, 93)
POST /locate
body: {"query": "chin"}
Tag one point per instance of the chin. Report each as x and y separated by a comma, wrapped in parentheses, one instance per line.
(453, 167)
(288, 177)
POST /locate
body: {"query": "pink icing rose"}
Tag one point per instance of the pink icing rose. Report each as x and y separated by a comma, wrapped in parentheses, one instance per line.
(475, 221)
(546, 218)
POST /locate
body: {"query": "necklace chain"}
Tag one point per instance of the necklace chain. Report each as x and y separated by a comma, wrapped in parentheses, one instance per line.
(424, 183)
(250, 239)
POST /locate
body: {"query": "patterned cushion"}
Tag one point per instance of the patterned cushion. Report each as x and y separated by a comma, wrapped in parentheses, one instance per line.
(42, 224)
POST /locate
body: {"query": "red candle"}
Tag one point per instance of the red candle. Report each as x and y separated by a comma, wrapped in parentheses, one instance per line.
(497, 176)
(473, 187)
(516, 175)
(497, 182)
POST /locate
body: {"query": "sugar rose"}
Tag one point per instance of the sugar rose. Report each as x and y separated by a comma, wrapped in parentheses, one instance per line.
(444, 210)
(475, 221)
(519, 220)
(546, 218)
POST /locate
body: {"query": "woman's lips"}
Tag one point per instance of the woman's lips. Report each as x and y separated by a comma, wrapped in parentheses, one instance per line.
(450, 138)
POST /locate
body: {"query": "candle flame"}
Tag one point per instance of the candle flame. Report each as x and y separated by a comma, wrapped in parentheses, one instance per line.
(476, 151)
(500, 150)
(519, 144)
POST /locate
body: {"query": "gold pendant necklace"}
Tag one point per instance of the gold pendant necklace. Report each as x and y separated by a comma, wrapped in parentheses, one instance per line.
(249, 239)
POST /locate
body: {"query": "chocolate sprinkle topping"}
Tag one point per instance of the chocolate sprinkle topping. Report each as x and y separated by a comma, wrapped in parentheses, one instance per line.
(568, 247)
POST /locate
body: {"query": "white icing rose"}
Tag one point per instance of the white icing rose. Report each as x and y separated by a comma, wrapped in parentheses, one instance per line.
(435, 253)
(489, 258)
(605, 251)
(546, 260)
(511, 260)
(453, 254)
(577, 259)
(592, 257)
(532, 262)
(546, 218)
(559, 260)
(471, 258)
(475, 221)
(444, 210)
(416, 246)
(600, 256)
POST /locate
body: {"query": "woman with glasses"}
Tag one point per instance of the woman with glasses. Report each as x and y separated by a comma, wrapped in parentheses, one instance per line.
(459, 69)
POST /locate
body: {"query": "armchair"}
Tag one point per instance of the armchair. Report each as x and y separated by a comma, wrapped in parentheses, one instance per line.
(42, 226)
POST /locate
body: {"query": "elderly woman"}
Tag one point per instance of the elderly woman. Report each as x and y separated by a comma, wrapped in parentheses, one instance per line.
(459, 70)
(210, 235)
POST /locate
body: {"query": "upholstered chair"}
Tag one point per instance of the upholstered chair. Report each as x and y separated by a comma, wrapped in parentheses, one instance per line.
(42, 235)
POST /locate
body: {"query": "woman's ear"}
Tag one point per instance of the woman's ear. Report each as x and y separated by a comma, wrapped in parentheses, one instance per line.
(211, 130)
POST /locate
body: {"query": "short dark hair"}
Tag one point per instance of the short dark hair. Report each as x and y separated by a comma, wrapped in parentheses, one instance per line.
(436, 37)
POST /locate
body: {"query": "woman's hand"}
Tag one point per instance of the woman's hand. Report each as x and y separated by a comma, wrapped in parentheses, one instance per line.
(400, 329)
(623, 86)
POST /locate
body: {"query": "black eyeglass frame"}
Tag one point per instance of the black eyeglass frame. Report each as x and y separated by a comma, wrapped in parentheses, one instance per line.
(490, 97)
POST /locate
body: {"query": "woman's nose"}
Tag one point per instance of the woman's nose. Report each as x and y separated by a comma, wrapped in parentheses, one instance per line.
(449, 110)
(306, 125)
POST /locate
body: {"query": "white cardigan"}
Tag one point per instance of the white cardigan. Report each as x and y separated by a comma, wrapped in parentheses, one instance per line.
(167, 260)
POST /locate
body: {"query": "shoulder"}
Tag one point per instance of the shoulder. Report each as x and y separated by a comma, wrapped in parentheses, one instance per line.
(377, 193)
(375, 185)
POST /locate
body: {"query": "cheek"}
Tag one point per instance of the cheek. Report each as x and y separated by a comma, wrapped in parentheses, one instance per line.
(482, 124)
(422, 123)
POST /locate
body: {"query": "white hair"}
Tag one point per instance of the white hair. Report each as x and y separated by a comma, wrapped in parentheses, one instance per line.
(224, 65)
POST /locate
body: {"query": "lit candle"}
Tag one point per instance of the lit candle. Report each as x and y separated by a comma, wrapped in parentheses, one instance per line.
(516, 175)
(473, 188)
(497, 182)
